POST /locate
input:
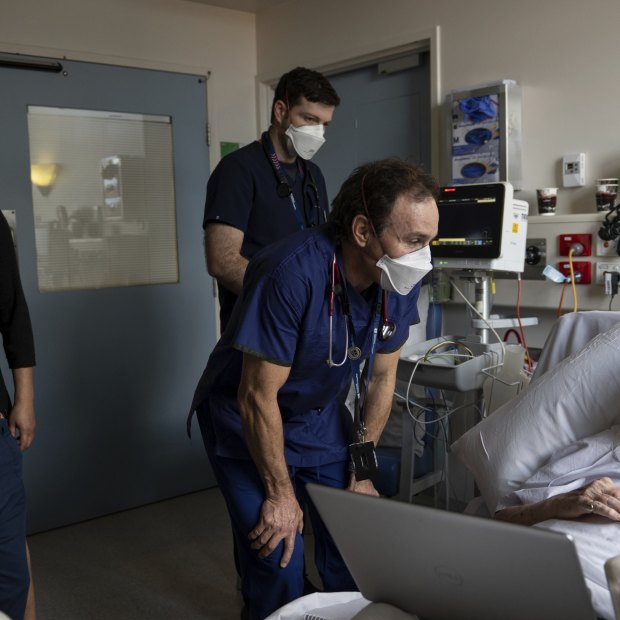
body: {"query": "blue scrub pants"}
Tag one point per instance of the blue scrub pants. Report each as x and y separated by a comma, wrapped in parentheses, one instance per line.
(265, 586)
(14, 578)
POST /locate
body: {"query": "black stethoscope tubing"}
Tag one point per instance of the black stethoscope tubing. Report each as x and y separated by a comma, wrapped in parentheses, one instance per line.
(284, 189)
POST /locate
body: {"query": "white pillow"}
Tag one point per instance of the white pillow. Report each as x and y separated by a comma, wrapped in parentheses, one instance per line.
(577, 398)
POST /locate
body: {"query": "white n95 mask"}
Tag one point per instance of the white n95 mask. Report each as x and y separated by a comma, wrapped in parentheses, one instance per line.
(306, 139)
(400, 275)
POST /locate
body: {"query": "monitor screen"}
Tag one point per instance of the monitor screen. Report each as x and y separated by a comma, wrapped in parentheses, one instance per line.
(470, 221)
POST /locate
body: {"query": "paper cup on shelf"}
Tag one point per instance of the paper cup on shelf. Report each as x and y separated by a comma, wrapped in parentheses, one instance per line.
(606, 192)
(547, 199)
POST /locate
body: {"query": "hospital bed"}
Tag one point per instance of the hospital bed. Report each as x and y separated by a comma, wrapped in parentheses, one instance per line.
(574, 394)
(578, 397)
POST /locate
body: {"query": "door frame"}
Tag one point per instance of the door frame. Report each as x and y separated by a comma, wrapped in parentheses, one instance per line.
(424, 40)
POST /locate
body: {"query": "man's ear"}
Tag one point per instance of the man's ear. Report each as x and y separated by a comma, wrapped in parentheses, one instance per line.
(360, 230)
(280, 111)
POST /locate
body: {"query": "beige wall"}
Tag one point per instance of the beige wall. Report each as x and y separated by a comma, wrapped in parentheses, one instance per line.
(174, 35)
(562, 52)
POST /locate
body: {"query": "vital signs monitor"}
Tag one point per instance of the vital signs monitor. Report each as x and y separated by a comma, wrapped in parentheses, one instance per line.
(482, 227)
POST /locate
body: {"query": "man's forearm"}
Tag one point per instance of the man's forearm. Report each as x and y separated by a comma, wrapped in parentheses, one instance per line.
(223, 256)
(378, 406)
(24, 386)
(229, 273)
(264, 435)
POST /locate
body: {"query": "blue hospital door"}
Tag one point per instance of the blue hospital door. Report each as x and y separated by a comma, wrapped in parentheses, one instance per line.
(119, 347)
(380, 115)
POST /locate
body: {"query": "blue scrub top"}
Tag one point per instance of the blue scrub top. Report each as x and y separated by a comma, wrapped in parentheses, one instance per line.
(242, 192)
(282, 316)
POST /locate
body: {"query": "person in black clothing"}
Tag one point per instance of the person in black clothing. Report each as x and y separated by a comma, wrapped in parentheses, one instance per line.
(17, 427)
(269, 189)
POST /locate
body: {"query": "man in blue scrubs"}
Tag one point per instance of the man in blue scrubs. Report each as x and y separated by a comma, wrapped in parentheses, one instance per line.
(268, 402)
(269, 188)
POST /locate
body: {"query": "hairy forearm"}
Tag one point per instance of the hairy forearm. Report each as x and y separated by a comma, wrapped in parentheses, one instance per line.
(223, 256)
(264, 435)
(229, 271)
(378, 406)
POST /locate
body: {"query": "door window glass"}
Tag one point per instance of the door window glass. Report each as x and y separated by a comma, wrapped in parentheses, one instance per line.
(103, 198)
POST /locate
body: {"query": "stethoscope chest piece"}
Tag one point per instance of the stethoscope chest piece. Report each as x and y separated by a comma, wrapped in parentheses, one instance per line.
(387, 330)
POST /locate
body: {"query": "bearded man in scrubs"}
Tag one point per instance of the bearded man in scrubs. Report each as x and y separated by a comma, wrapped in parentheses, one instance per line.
(269, 188)
(314, 309)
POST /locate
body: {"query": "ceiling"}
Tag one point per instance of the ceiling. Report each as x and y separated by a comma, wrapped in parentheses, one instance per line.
(249, 6)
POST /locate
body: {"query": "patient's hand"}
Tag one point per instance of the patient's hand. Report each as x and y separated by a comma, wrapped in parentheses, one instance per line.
(601, 497)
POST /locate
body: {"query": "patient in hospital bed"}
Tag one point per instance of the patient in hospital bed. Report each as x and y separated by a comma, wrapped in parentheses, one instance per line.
(581, 479)
(551, 456)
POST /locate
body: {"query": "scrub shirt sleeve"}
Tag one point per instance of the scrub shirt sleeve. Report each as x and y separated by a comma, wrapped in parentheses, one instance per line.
(230, 194)
(271, 317)
(405, 314)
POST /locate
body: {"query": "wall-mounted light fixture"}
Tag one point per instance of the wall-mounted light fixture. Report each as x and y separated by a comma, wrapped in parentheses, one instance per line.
(44, 176)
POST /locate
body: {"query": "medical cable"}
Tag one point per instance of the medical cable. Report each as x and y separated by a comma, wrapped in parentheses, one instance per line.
(458, 290)
(559, 311)
(335, 288)
(425, 358)
(523, 341)
(572, 278)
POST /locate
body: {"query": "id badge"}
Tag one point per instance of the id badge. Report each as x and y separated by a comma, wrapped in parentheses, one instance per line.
(364, 460)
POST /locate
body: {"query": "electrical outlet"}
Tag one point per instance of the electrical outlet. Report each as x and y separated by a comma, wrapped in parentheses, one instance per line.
(582, 242)
(606, 248)
(535, 259)
(582, 269)
(601, 268)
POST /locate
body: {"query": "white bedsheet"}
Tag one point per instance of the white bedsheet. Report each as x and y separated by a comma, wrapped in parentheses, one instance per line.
(597, 539)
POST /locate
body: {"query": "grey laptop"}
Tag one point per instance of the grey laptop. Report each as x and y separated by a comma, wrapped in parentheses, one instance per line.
(443, 565)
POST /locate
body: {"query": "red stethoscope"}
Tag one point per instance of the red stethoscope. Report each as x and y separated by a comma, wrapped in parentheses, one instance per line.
(338, 289)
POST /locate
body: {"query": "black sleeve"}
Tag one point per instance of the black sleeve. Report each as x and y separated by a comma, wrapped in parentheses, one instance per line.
(15, 325)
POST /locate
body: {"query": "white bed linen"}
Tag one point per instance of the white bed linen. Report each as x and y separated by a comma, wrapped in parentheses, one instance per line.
(571, 468)
(338, 606)
(295, 610)
(597, 539)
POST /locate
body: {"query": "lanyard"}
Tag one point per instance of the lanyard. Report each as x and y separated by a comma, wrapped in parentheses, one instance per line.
(284, 188)
(355, 353)
(283, 181)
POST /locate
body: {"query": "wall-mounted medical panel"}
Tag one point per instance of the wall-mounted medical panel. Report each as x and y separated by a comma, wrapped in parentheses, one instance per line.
(549, 242)
(485, 134)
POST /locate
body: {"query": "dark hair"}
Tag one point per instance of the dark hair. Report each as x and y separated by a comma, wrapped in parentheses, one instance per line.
(301, 82)
(383, 182)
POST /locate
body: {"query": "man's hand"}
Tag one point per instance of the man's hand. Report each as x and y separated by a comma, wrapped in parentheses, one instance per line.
(280, 519)
(365, 487)
(22, 418)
